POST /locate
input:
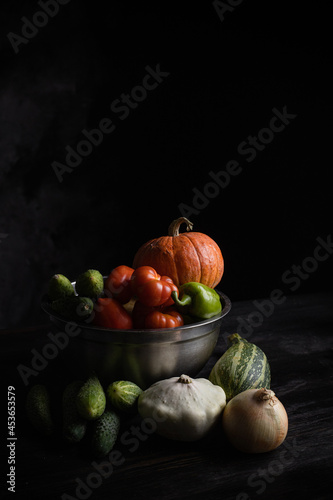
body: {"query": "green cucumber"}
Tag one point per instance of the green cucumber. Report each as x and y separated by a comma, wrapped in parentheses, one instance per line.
(59, 287)
(105, 432)
(90, 284)
(123, 395)
(91, 400)
(74, 426)
(38, 409)
(73, 308)
(243, 366)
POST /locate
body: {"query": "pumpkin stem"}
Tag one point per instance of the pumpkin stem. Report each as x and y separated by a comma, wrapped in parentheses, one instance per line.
(184, 379)
(175, 225)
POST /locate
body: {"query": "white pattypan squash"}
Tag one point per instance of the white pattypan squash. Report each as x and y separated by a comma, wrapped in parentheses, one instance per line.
(182, 408)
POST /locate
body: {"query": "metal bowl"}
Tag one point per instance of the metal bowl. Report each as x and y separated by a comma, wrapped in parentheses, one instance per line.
(141, 356)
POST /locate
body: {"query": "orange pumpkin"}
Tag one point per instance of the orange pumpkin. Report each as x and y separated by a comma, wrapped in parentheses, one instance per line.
(184, 257)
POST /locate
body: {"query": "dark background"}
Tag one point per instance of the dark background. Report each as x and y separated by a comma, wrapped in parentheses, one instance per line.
(225, 77)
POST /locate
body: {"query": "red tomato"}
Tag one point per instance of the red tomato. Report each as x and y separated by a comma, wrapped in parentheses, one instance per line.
(139, 313)
(170, 318)
(118, 284)
(150, 288)
(109, 313)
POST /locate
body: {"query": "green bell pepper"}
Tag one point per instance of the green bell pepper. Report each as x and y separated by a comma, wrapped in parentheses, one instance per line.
(196, 299)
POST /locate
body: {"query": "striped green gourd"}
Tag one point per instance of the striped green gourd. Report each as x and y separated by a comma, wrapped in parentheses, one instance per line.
(243, 366)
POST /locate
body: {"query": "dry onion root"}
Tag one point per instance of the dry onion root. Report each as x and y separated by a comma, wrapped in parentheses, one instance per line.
(255, 421)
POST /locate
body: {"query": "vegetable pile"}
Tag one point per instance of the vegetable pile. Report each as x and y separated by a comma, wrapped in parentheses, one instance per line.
(88, 411)
(129, 298)
(180, 408)
(171, 283)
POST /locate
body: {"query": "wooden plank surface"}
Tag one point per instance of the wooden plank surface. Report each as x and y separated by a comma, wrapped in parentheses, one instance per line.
(297, 339)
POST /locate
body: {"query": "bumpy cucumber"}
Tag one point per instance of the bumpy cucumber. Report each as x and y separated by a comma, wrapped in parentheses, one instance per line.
(38, 409)
(74, 426)
(90, 284)
(74, 308)
(60, 287)
(91, 400)
(123, 395)
(105, 433)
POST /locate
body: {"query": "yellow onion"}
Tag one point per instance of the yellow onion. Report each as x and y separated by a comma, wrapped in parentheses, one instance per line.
(255, 421)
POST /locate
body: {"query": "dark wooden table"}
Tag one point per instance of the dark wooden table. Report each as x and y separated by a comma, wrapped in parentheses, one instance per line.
(297, 339)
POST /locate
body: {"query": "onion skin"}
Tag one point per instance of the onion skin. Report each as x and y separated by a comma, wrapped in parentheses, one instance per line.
(255, 421)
